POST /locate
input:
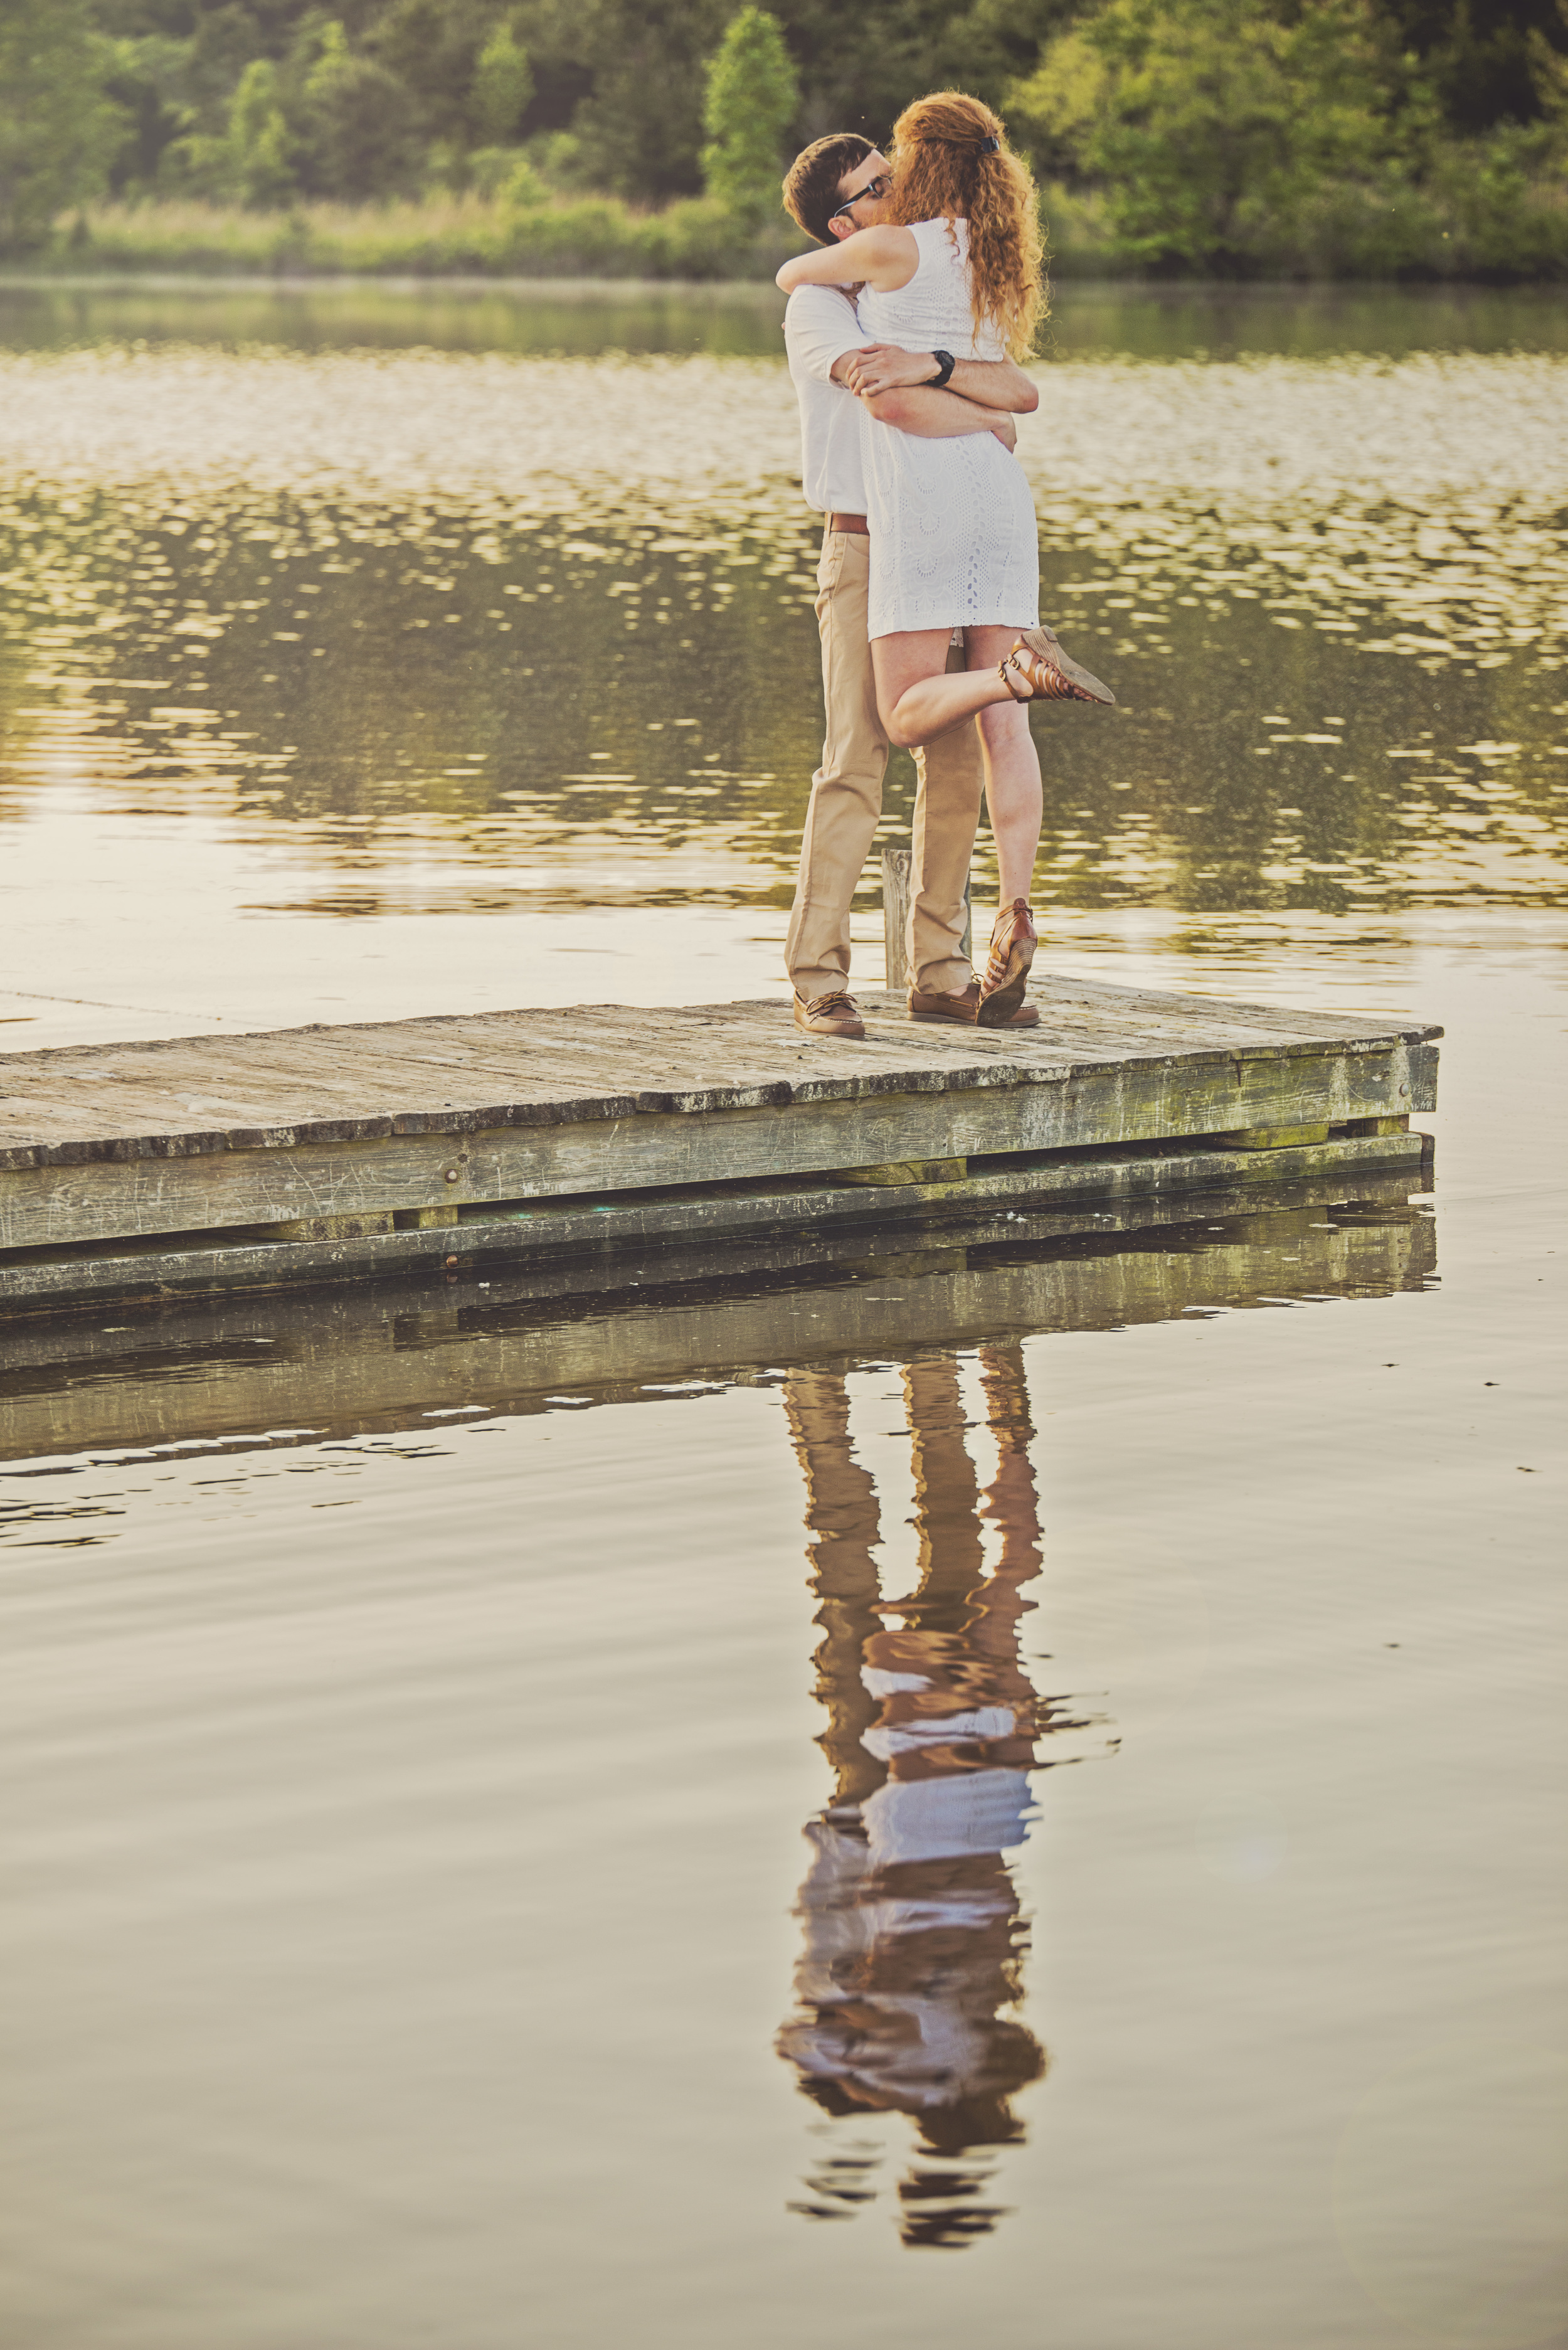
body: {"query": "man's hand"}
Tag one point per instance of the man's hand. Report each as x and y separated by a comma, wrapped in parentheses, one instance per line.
(1006, 432)
(883, 367)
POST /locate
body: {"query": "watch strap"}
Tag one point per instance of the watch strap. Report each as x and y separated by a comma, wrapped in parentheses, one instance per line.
(945, 365)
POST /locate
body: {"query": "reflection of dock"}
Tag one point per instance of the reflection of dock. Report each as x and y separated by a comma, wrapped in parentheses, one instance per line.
(360, 1358)
(217, 1163)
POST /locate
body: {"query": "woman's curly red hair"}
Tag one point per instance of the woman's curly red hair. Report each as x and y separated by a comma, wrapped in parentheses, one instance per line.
(944, 170)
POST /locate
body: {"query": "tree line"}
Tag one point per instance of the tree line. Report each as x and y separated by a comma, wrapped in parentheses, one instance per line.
(1186, 133)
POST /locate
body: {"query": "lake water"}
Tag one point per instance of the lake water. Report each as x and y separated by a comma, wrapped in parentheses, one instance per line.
(1011, 1790)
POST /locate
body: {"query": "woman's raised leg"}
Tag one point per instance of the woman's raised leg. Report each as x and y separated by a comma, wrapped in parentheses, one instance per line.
(919, 697)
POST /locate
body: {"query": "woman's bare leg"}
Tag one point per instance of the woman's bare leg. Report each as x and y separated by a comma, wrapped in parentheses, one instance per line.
(1012, 788)
(917, 695)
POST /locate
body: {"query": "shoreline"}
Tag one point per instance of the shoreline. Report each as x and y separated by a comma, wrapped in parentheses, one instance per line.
(760, 291)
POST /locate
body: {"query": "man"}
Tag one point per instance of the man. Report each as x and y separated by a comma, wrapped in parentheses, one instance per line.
(838, 185)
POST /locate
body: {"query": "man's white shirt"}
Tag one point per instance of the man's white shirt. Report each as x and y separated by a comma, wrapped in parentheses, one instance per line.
(820, 326)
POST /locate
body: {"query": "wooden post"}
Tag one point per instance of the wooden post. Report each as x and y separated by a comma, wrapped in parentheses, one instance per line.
(896, 865)
(895, 884)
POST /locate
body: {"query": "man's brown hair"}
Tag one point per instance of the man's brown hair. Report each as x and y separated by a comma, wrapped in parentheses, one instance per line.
(812, 182)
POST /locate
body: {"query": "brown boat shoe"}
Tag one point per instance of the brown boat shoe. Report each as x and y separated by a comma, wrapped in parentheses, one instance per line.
(833, 1014)
(1038, 664)
(962, 1009)
(1012, 945)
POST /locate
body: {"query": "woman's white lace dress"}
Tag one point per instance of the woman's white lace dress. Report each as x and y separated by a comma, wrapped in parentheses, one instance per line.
(953, 536)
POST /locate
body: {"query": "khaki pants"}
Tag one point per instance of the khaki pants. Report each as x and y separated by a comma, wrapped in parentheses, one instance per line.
(846, 803)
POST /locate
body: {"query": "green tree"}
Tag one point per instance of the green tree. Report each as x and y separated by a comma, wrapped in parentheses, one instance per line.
(258, 152)
(358, 124)
(58, 132)
(1480, 56)
(640, 126)
(434, 48)
(751, 100)
(1549, 80)
(503, 86)
(1245, 134)
(147, 80)
(1211, 126)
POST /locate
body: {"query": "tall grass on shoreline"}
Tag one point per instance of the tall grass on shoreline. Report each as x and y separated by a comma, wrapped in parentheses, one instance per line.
(1459, 227)
(439, 236)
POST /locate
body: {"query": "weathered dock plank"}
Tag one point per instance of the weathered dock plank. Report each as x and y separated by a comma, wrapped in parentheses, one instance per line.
(196, 1094)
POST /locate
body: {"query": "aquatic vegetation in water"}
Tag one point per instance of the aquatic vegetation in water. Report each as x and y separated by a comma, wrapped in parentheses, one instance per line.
(434, 631)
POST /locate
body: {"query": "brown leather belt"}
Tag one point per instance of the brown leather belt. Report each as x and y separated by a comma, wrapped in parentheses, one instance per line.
(853, 523)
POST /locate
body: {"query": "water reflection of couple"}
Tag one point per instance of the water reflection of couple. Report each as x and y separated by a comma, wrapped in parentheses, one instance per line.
(912, 1935)
(929, 543)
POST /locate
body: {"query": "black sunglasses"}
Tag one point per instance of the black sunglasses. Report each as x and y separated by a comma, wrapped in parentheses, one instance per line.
(875, 189)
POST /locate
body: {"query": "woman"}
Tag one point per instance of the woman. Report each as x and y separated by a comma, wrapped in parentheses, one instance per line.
(954, 267)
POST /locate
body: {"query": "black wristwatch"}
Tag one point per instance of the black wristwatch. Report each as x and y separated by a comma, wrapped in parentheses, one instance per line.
(945, 365)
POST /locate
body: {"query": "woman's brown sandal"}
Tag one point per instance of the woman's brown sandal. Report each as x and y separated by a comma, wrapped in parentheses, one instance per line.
(1038, 662)
(1012, 945)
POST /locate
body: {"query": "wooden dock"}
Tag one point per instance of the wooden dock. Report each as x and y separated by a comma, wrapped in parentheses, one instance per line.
(416, 1148)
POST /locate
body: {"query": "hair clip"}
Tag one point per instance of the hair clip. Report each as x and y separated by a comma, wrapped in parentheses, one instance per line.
(990, 146)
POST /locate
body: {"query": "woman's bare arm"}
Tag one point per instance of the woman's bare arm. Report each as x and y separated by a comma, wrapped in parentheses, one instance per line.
(929, 414)
(994, 383)
(886, 258)
(921, 408)
(932, 415)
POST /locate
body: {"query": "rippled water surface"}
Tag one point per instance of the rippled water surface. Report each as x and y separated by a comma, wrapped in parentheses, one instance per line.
(425, 630)
(996, 1787)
